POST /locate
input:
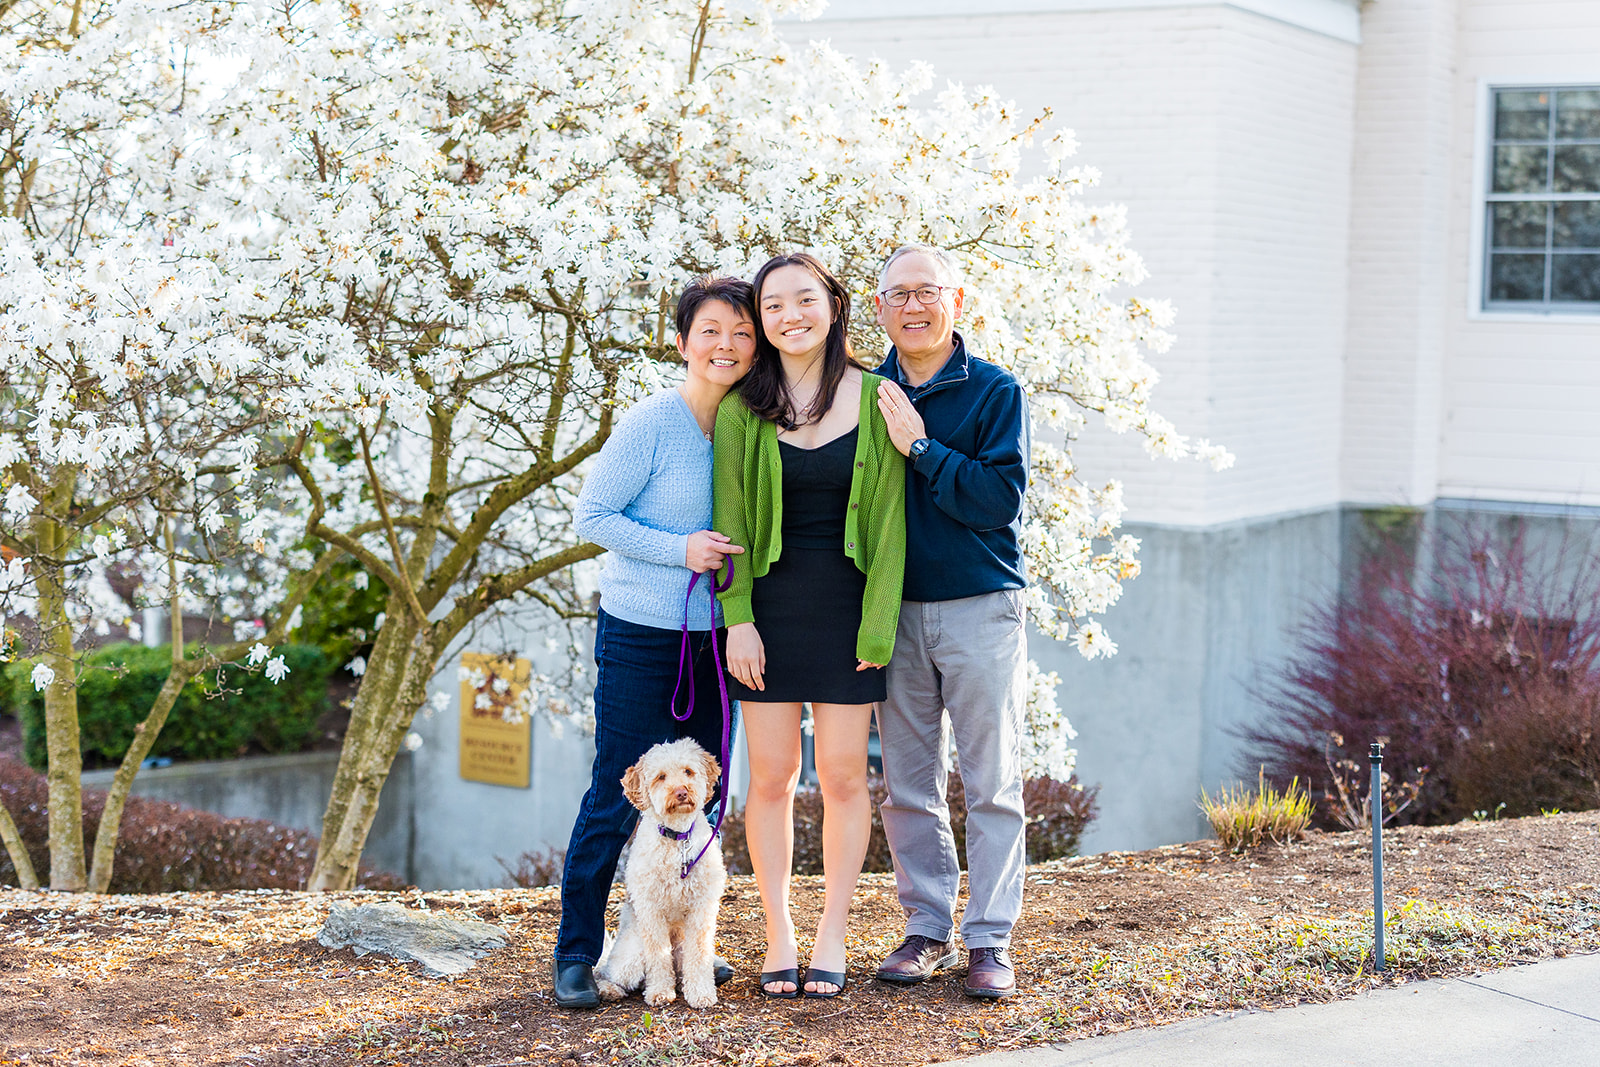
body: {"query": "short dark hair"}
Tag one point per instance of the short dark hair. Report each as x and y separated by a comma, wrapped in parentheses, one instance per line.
(737, 293)
(764, 389)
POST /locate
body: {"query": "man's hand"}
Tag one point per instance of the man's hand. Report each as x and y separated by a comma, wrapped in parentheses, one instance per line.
(747, 656)
(864, 665)
(905, 423)
(706, 549)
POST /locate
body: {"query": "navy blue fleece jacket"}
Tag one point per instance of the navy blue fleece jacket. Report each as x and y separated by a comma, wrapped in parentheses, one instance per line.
(964, 496)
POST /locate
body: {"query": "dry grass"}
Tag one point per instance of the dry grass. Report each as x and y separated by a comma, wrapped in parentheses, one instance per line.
(1243, 819)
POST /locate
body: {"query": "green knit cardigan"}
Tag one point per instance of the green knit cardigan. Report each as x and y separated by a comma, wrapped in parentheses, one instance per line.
(747, 506)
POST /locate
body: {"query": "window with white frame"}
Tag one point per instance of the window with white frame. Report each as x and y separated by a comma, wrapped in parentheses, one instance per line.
(1543, 212)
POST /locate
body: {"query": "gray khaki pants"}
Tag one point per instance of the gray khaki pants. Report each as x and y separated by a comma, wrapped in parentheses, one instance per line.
(969, 657)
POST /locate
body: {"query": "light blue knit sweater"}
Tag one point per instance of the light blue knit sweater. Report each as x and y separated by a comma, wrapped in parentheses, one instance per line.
(649, 489)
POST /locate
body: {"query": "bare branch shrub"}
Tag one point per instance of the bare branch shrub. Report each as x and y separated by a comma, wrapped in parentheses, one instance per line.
(1482, 671)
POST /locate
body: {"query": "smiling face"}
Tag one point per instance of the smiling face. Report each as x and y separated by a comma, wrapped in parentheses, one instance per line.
(795, 311)
(720, 344)
(921, 333)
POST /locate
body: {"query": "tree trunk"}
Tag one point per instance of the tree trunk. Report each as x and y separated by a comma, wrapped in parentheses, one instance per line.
(26, 878)
(64, 773)
(387, 701)
(144, 739)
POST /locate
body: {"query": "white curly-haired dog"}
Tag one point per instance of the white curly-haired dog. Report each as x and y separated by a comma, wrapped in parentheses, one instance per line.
(668, 916)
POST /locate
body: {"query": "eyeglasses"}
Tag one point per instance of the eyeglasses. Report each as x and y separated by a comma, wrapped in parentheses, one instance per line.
(925, 294)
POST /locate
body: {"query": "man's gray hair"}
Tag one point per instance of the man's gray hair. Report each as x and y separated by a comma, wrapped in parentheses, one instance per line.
(949, 272)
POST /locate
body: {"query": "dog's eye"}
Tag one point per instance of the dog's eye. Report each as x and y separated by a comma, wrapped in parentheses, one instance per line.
(689, 771)
(661, 777)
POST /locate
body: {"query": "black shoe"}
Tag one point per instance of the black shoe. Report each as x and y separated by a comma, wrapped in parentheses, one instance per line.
(788, 974)
(575, 986)
(720, 970)
(816, 977)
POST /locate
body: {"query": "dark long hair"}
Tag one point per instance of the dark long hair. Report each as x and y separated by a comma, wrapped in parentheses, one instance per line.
(764, 388)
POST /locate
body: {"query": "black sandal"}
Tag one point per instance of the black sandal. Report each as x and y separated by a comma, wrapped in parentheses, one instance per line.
(833, 978)
(791, 974)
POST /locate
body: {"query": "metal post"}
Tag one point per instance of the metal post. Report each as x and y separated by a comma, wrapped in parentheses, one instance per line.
(1375, 806)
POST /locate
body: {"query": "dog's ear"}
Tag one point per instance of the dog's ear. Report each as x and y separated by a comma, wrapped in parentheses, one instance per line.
(633, 788)
(713, 772)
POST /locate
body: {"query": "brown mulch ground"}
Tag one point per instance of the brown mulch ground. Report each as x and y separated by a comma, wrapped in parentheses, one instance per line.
(1106, 943)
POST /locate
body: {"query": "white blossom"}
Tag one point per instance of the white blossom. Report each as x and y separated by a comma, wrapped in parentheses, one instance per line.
(277, 670)
(42, 676)
(283, 244)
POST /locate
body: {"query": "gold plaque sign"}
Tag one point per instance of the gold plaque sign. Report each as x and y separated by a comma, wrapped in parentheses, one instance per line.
(495, 724)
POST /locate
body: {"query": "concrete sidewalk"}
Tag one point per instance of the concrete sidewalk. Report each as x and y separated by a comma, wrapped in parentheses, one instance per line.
(1540, 1015)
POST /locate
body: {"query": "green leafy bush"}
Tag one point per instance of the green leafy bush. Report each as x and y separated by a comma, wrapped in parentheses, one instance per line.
(219, 715)
(340, 616)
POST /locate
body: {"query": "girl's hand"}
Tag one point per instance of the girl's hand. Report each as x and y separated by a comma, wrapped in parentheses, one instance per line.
(747, 656)
(863, 665)
(706, 549)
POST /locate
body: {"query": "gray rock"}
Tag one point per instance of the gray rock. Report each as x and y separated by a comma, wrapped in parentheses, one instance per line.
(444, 947)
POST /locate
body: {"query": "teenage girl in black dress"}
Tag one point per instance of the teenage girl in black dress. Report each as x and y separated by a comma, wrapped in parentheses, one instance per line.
(808, 607)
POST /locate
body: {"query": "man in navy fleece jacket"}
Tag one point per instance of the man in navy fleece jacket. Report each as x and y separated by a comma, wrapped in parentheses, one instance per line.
(961, 646)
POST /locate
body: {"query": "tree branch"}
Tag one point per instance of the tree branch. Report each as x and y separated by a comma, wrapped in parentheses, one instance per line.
(407, 589)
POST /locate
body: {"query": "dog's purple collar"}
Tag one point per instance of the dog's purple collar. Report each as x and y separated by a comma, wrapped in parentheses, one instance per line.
(676, 835)
(685, 663)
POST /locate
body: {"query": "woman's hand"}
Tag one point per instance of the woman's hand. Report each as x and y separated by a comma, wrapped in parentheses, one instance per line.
(706, 549)
(747, 656)
(863, 665)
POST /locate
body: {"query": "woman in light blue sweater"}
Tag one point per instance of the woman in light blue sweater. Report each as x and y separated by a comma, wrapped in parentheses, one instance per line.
(648, 503)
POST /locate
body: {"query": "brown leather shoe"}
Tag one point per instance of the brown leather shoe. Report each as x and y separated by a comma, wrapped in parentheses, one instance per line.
(915, 960)
(989, 974)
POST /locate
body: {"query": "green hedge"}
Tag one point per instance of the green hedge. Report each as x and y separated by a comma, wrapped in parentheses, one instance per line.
(219, 715)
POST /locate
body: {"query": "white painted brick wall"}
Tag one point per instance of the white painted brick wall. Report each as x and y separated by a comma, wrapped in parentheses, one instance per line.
(1228, 136)
(1521, 398)
(1399, 252)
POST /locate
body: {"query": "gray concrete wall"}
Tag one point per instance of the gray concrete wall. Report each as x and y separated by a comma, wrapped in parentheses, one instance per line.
(465, 829)
(1212, 609)
(291, 791)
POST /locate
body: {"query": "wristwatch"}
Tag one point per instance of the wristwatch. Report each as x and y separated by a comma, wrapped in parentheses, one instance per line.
(918, 447)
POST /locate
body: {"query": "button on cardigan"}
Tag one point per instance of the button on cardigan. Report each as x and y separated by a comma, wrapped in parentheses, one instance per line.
(747, 506)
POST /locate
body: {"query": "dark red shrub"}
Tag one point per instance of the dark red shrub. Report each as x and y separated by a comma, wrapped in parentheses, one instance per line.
(1058, 812)
(164, 847)
(1480, 672)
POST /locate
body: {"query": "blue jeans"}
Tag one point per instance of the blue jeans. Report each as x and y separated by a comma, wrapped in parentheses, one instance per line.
(638, 669)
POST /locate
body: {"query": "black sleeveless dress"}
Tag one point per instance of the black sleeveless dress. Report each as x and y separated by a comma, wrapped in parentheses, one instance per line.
(808, 605)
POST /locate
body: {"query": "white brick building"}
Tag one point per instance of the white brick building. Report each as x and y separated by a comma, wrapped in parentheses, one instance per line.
(1310, 182)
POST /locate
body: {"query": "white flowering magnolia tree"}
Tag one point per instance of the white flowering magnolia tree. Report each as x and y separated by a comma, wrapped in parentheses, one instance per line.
(431, 247)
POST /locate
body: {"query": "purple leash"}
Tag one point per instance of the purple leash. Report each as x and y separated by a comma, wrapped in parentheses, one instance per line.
(686, 666)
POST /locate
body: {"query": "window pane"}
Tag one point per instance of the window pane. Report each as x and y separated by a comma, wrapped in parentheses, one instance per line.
(1575, 278)
(1519, 169)
(1577, 168)
(1577, 224)
(1516, 277)
(1521, 116)
(1578, 114)
(1517, 225)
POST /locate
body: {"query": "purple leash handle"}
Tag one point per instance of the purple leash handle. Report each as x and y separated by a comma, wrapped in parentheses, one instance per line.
(686, 667)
